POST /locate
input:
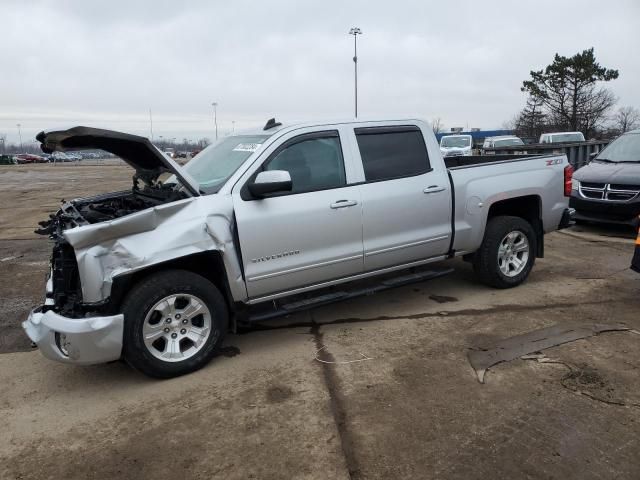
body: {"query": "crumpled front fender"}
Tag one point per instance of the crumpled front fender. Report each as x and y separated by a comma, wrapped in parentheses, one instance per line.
(152, 236)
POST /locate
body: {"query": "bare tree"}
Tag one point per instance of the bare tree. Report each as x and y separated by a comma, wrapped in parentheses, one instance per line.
(511, 124)
(437, 125)
(625, 119)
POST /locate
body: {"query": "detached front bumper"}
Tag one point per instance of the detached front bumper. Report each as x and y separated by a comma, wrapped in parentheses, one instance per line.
(83, 341)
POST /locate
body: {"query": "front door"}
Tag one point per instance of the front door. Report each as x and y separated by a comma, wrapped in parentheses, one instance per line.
(307, 236)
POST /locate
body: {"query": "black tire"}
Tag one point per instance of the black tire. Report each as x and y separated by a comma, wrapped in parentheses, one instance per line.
(485, 260)
(147, 293)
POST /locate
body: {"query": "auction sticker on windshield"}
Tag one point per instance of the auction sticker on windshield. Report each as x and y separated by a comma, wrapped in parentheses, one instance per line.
(247, 147)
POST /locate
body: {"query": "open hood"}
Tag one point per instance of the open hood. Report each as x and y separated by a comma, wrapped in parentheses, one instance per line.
(139, 152)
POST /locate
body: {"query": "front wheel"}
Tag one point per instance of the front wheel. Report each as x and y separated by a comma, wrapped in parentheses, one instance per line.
(174, 323)
(507, 253)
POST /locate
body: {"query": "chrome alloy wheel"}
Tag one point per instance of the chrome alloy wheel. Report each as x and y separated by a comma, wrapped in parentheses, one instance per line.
(513, 253)
(177, 327)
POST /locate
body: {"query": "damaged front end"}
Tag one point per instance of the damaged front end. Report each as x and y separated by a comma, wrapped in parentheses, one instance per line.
(147, 192)
(67, 293)
(69, 327)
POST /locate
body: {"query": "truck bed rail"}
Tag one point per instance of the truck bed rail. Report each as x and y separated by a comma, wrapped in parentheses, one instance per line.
(453, 163)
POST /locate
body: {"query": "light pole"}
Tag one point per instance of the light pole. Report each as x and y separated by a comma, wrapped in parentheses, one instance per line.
(19, 135)
(151, 124)
(355, 31)
(233, 126)
(215, 117)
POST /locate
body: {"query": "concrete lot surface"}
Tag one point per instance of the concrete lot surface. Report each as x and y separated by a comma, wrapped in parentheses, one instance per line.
(411, 407)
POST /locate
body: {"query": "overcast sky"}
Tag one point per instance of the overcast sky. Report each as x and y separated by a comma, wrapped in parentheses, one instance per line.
(107, 63)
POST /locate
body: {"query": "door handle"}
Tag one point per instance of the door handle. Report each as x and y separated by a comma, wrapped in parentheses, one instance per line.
(343, 204)
(433, 189)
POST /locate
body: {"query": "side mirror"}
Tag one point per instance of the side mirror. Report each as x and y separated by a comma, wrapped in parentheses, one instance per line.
(271, 181)
(593, 155)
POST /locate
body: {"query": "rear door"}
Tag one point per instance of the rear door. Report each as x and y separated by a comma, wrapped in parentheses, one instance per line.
(307, 236)
(406, 203)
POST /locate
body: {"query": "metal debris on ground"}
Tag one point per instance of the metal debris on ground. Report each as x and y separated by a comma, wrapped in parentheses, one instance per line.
(363, 359)
(481, 359)
(14, 257)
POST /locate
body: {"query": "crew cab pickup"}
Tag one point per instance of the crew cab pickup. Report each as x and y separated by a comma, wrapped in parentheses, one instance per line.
(266, 222)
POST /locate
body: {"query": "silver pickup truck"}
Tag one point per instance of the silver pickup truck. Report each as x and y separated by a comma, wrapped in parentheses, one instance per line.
(270, 221)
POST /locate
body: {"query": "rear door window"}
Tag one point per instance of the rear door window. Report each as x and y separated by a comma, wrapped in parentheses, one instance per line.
(392, 152)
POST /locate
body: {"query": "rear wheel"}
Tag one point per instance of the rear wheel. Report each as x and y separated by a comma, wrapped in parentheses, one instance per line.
(507, 253)
(174, 323)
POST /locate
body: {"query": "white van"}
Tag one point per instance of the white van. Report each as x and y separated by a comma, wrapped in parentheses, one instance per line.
(456, 145)
(502, 141)
(562, 137)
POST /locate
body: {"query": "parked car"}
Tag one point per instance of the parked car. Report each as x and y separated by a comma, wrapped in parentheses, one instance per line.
(562, 137)
(7, 160)
(61, 157)
(501, 141)
(263, 222)
(23, 158)
(456, 145)
(608, 188)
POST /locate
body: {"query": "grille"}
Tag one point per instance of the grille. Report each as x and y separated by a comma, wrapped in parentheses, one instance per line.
(609, 192)
(589, 194)
(65, 277)
(619, 186)
(592, 185)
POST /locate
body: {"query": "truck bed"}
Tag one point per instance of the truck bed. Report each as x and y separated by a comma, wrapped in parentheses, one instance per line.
(537, 179)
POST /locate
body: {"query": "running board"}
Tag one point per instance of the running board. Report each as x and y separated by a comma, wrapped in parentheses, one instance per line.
(282, 309)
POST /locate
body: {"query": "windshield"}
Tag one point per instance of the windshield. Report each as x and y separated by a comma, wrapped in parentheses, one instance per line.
(458, 142)
(505, 142)
(215, 164)
(567, 137)
(623, 149)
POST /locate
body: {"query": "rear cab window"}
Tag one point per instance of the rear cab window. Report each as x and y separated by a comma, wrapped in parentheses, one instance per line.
(392, 152)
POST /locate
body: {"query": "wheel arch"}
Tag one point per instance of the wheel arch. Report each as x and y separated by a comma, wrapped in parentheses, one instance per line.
(527, 207)
(209, 265)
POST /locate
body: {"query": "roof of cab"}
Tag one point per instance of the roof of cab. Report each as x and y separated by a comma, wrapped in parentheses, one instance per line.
(319, 123)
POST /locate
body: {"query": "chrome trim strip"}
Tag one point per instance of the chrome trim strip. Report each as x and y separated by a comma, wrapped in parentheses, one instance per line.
(406, 245)
(360, 276)
(606, 191)
(306, 267)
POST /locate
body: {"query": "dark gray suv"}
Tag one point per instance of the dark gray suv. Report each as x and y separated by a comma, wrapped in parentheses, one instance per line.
(608, 189)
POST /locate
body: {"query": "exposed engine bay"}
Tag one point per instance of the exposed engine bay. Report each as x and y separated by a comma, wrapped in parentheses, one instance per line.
(67, 293)
(109, 206)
